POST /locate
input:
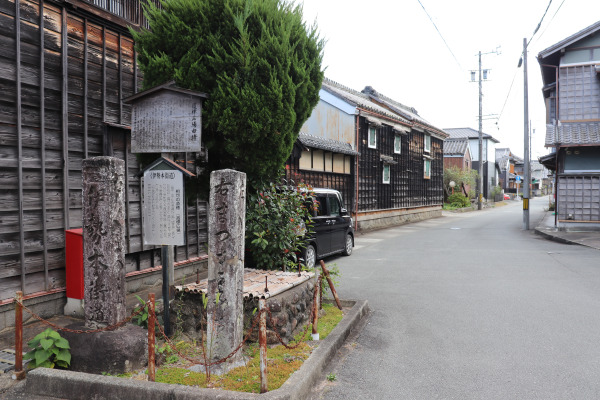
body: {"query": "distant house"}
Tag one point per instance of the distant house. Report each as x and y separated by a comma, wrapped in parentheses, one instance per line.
(506, 162)
(385, 159)
(490, 176)
(571, 77)
(457, 153)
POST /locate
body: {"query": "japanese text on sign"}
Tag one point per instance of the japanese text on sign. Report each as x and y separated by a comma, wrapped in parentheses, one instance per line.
(163, 208)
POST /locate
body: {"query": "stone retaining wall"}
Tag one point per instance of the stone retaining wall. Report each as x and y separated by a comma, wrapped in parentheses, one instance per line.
(290, 312)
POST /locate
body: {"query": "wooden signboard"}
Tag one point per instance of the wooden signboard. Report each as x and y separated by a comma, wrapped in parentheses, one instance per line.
(166, 119)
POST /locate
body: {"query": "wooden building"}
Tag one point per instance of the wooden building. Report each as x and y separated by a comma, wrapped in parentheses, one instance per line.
(571, 77)
(457, 154)
(67, 66)
(389, 164)
(490, 172)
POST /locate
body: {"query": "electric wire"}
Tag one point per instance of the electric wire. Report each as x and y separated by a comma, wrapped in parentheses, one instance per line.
(440, 33)
(540, 23)
(551, 19)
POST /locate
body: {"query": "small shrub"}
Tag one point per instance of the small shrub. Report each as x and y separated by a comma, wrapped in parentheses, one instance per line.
(277, 220)
(49, 350)
(458, 200)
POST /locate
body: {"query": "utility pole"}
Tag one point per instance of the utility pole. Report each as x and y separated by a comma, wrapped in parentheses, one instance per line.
(527, 171)
(480, 165)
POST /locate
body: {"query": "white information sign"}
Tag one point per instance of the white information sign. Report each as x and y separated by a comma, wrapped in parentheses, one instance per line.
(166, 122)
(163, 217)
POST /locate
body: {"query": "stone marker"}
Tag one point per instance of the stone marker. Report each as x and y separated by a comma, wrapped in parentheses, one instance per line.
(104, 241)
(226, 230)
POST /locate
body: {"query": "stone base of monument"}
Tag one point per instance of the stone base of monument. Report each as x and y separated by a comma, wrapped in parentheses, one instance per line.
(223, 368)
(113, 352)
(289, 299)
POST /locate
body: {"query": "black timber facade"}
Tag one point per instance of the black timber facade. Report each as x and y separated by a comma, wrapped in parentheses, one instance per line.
(67, 66)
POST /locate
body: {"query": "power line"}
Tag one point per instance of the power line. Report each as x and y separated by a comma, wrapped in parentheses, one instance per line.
(540, 23)
(508, 94)
(552, 19)
(440, 33)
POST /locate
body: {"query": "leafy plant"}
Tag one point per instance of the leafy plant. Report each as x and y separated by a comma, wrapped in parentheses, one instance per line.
(458, 200)
(496, 190)
(277, 221)
(141, 319)
(462, 178)
(331, 377)
(49, 350)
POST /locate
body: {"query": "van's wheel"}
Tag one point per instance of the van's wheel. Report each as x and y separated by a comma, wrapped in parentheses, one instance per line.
(349, 244)
(310, 256)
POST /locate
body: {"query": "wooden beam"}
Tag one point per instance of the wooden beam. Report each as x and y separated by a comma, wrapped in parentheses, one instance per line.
(43, 147)
(85, 88)
(65, 116)
(19, 140)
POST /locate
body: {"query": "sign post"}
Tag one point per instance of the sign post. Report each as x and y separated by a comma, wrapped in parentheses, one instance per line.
(165, 119)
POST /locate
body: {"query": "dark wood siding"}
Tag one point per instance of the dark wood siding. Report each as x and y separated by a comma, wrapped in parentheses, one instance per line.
(65, 74)
(344, 183)
(407, 187)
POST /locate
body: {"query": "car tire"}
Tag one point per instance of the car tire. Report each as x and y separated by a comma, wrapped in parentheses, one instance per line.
(310, 256)
(348, 245)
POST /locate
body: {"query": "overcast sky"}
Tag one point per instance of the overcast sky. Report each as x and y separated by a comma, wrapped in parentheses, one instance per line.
(394, 46)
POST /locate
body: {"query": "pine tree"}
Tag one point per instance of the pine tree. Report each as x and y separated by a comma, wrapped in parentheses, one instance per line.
(257, 60)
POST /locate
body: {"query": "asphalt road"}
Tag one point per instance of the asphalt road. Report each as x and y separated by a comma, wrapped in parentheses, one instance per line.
(470, 306)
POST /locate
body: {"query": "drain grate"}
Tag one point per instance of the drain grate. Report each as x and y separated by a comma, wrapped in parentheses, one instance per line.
(7, 360)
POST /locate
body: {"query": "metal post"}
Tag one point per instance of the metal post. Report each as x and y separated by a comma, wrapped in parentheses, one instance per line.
(262, 340)
(19, 372)
(165, 288)
(151, 339)
(480, 166)
(526, 172)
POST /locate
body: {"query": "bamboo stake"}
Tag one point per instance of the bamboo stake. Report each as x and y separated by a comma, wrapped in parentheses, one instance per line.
(19, 372)
(262, 340)
(335, 296)
(151, 339)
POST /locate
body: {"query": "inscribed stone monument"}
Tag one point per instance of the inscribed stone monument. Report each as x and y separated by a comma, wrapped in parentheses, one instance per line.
(226, 230)
(104, 240)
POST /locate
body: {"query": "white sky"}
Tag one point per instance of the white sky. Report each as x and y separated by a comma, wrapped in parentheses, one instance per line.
(393, 46)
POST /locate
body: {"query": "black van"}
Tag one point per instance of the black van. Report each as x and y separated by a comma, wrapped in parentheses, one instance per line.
(332, 228)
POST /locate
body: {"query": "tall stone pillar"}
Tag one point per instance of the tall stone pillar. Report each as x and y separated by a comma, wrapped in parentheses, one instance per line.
(226, 230)
(104, 240)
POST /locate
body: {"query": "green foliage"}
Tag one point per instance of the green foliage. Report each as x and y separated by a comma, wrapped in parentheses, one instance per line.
(458, 200)
(277, 220)
(334, 275)
(49, 350)
(461, 177)
(331, 377)
(496, 190)
(141, 319)
(257, 60)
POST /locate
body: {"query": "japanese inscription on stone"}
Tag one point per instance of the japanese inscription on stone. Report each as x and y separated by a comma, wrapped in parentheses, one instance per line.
(104, 240)
(166, 122)
(163, 211)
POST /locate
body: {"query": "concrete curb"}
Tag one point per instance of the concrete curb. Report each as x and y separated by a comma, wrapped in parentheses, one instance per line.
(82, 386)
(541, 231)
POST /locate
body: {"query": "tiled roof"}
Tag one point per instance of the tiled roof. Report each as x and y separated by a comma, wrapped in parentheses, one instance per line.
(407, 112)
(359, 99)
(372, 101)
(454, 147)
(467, 133)
(590, 30)
(326, 144)
(573, 134)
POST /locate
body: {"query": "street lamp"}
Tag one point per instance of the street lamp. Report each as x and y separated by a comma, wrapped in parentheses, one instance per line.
(452, 184)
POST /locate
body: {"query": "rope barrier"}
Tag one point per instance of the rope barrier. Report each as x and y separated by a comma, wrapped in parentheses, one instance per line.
(139, 310)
